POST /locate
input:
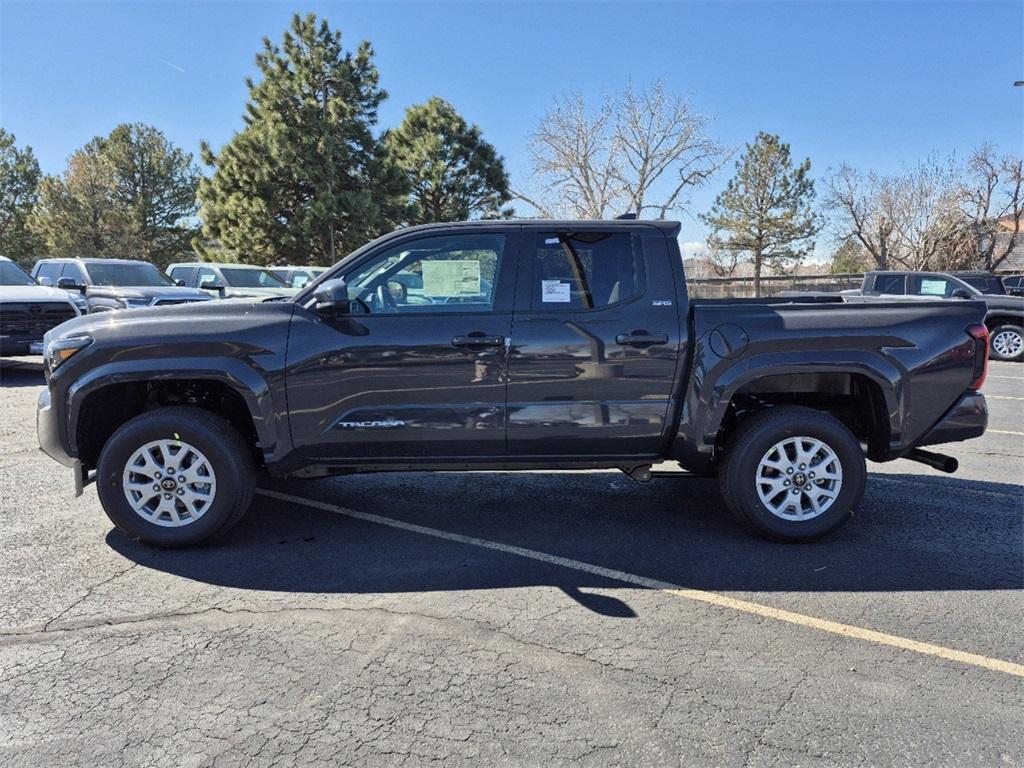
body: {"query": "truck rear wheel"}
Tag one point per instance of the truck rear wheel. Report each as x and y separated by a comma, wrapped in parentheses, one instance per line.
(793, 473)
(1007, 342)
(175, 477)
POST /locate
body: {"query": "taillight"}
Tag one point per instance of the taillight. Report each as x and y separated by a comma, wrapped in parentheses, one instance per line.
(979, 333)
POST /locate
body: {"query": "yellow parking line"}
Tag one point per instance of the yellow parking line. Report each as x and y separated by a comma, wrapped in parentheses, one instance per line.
(698, 595)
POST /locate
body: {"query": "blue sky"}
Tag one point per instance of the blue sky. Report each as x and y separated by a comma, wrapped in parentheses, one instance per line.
(877, 85)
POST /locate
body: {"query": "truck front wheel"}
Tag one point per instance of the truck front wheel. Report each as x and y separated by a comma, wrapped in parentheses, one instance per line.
(793, 473)
(175, 477)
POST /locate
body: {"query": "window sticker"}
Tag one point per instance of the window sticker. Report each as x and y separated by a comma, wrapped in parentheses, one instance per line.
(932, 287)
(552, 241)
(451, 277)
(555, 291)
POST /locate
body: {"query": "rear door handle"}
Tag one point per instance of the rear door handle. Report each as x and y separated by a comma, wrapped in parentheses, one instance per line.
(478, 340)
(641, 339)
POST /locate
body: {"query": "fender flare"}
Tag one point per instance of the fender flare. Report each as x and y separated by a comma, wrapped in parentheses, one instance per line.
(713, 400)
(247, 382)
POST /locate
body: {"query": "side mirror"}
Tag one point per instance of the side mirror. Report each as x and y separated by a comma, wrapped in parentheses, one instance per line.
(962, 293)
(45, 281)
(180, 283)
(211, 284)
(69, 284)
(332, 296)
(1016, 291)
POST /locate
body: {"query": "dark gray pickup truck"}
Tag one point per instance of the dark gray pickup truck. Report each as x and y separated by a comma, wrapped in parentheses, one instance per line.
(507, 345)
(1004, 314)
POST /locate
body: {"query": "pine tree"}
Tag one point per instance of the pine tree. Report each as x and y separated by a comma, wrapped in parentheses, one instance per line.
(130, 194)
(19, 183)
(766, 211)
(453, 173)
(306, 179)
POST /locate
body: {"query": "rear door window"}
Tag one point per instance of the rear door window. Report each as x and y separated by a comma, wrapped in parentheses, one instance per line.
(585, 271)
(893, 285)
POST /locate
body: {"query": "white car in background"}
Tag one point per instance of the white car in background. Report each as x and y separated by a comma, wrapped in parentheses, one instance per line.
(298, 277)
(230, 281)
(29, 310)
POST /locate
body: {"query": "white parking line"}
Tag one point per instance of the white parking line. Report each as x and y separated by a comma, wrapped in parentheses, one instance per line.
(1004, 432)
(1002, 397)
(698, 595)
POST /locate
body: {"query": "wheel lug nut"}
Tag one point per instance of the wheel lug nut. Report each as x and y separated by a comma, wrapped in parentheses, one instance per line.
(786, 483)
(167, 496)
(182, 479)
(158, 475)
(156, 487)
(803, 466)
(181, 491)
(789, 471)
(796, 490)
(811, 474)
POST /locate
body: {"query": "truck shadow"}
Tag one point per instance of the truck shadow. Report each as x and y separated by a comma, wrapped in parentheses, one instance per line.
(911, 533)
(19, 372)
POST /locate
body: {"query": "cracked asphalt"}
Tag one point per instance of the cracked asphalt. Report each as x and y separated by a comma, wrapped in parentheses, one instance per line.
(311, 638)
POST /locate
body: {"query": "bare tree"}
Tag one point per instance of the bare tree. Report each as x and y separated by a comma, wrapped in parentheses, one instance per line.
(639, 152)
(911, 220)
(993, 199)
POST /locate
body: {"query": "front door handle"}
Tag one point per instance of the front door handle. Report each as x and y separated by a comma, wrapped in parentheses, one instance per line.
(478, 340)
(641, 339)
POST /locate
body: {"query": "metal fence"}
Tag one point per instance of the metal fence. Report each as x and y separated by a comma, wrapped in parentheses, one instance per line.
(774, 285)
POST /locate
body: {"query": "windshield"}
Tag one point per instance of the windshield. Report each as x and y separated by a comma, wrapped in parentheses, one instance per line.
(141, 274)
(251, 277)
(12, 274)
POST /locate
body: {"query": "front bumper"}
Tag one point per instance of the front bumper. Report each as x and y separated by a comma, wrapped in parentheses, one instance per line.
(48, 431)
(966, 420)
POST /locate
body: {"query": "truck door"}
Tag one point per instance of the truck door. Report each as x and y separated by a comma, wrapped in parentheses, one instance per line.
(418, 371)
(594, 345)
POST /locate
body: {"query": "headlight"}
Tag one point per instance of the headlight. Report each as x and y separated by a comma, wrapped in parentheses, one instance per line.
(59, 351)
(134, 303)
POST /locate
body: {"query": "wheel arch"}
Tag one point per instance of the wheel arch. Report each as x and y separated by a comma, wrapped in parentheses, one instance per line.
(108, 397)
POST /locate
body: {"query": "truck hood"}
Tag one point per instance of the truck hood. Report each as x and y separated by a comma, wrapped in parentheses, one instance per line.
(152, 293)
(40, 293)
(174, 323)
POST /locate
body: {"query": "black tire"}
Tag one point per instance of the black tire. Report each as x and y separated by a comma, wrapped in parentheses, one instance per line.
(1013, 347)
(751, 442)
(227, 453)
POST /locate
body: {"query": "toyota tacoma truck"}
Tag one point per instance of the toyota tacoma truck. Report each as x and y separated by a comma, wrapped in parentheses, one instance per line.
(1004, 314)
(507, 345)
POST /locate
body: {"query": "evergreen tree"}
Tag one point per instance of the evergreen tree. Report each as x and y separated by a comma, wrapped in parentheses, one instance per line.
(127, 195)
(19, 183)
(453, 173)
(765, 211)
(305, 180)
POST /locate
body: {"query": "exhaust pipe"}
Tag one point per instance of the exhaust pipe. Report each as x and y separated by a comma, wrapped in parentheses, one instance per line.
(936, 460)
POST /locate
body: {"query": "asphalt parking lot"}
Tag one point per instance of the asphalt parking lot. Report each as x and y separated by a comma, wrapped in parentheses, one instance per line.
(517, 619)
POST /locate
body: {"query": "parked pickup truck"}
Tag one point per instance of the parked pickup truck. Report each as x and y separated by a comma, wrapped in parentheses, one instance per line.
(1004, 314)
(518, 345)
